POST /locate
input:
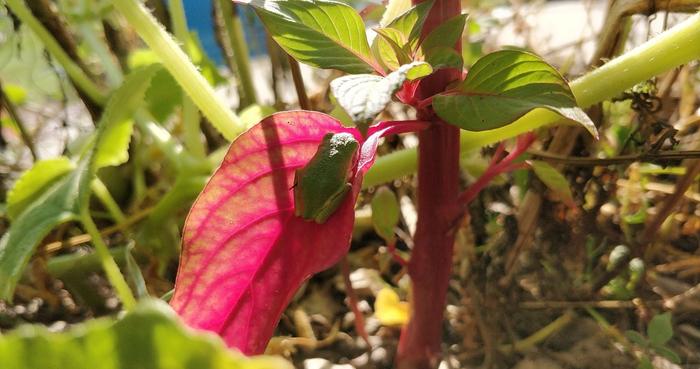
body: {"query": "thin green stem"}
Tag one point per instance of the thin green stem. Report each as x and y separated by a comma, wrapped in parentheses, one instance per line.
(174, 152)
(112, 70)
(110, 266)
(190, 115)
(234, 30)
(21, 127)
(677, 46)
(181, 68)
(20, 9)
(102, 193)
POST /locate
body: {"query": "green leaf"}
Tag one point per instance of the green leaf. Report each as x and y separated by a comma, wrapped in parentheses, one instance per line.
(116, 124)
(15, 93)
(447, 34)
(636, 338)
(34, 182)
(149, 337)
(418, 70)
(63, 200)
(385, 213)
(364, 96)
(554, 180)
(410, 23)
(55, 206)
(668, 354)
(387, 48)
(164, 95)
(321, 33)
(645, 363)
(394, 8)
(660, 329)
(505, 85)
(444, 57)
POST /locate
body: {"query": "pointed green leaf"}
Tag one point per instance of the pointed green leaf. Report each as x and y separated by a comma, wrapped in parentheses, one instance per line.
(554, 180)
(410, 23)
(116, 124)
(149, 337)
(364, 96)
(668, 354)
(34, 182)
(502, 87)
(387, 48)
(385, 213)
(444, 57)
(321, 33)
(63, 200)
(660, 329)
(636, 338)
(446, 34)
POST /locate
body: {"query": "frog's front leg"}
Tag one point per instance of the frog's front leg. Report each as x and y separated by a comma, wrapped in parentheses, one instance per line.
(332, 204)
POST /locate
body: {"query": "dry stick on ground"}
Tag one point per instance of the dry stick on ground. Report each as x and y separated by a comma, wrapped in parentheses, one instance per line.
(565, 136)
(45, 12)
(621, 159)
(85, 238)
(12, 112)
(603, 304)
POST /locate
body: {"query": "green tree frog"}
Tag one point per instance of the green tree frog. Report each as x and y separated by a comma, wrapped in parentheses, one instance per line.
(321, 186)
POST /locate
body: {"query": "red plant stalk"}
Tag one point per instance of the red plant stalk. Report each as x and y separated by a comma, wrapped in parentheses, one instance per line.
(438, 187)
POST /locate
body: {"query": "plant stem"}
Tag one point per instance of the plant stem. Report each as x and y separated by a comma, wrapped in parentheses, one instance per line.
(102, 193)
(677, 46)
(190, 115)
(26, 138)
(77, 75)
(299, 83)
(89, 33)
(430, 266)
(171, 148)
(239, 48)
(181, 68)
(111, 268)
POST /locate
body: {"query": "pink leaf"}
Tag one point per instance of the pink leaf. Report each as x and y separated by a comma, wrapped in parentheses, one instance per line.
(244, 251)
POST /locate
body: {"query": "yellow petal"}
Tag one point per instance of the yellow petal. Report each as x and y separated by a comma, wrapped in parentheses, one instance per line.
(389, 309)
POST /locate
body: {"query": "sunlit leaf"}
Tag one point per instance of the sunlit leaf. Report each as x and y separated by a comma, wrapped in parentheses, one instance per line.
(244, 251)
(149, 337)
(15, 93)
(242, 240)
(389, 48)
(410, 22)
(321, 33)
(389, 309)
(34, 182)
(394, 8)
(502, 87)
